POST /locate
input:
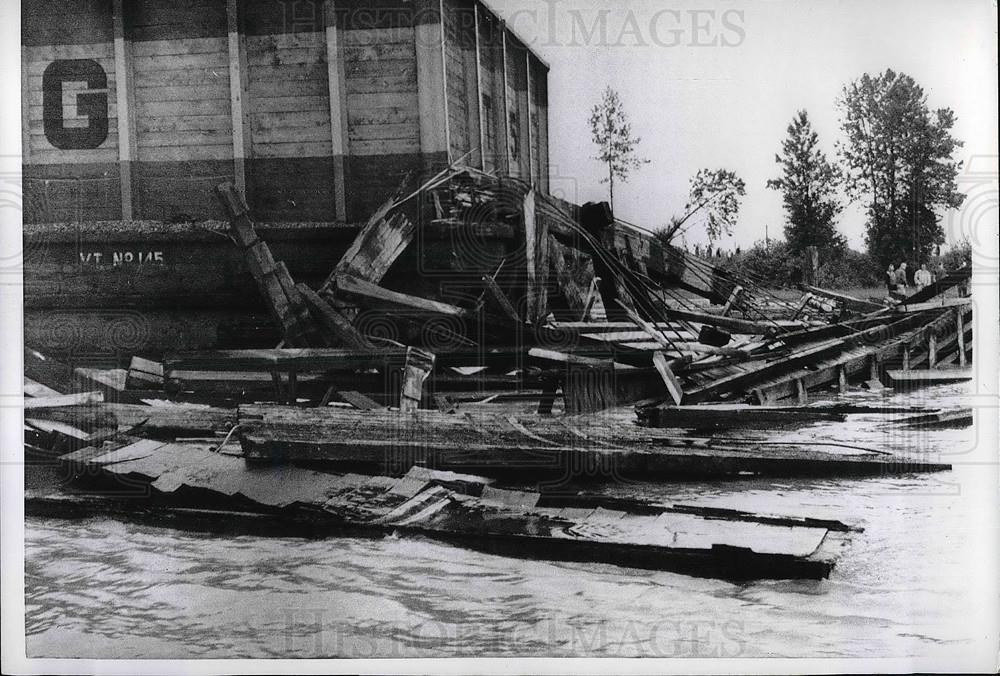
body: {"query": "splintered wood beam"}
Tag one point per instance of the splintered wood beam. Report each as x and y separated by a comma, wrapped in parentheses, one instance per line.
(847, 301)
(144, 374)
(729, 323)
(419, 364)
(335, 325)
(803, 303)
(374, 250)
(64, 400)
(733, 299)
(359, 401)
(536, 241)
(371, 296)
(497, 300)
(933, 305)
(662, 366)
(575, 295)
(265, 270)
(592, 293)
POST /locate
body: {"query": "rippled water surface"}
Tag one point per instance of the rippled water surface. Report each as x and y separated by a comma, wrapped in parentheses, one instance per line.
(907, 586)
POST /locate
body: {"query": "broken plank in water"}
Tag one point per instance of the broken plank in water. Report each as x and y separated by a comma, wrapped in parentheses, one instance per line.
(960, 417)
(458, 509)
(929, 376)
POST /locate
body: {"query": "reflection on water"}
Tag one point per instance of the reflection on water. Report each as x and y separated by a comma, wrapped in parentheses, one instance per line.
(102, 588)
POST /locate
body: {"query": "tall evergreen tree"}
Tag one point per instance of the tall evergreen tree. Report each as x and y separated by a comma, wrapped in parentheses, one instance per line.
(898, 157)
(808, 184)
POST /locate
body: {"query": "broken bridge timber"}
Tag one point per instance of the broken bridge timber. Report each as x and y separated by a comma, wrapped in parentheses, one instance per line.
(178, 482)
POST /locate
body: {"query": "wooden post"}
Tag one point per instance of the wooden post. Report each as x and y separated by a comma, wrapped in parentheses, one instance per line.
(418, 366)
(960, 326)
(801, 391)
(338, 108)
(536, 247)
(125, 104)
(431, 94)
(842, 378)
(874, 368)
(906, 357)
(931, 351)
(479, 91)
(237, 85)
(444, 79)
(506, 103)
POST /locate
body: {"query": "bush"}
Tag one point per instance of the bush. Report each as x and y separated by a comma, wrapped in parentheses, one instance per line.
(849, 269)
(766, 263)
(774, 264)
(957, 256)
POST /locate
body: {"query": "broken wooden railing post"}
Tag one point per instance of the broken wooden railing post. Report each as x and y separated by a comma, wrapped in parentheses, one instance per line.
(419, 364)
(281, 299)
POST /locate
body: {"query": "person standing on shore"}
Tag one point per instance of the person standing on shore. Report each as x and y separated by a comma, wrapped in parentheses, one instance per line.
(922, 277)
(890, 278)
(901, 279)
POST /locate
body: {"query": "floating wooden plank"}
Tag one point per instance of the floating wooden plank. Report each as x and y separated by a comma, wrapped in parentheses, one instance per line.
(960, 417)
(930, 376)
(538, 447)
(463, 509)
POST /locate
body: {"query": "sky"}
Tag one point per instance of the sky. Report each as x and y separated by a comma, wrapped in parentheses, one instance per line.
(715, 85)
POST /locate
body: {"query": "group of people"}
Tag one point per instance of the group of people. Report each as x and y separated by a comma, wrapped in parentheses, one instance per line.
(897, 279)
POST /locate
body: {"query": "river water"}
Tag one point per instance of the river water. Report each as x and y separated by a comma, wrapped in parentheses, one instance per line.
(916, 583)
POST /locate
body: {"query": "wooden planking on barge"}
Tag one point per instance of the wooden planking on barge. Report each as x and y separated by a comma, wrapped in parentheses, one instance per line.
(538, 447)
(458, 508)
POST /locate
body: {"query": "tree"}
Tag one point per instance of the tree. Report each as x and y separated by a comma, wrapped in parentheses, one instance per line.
(715, 199)
(612, 133)
(808, 185)
(898, 157)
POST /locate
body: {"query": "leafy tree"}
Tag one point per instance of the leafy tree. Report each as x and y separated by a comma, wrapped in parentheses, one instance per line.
(898, 157)
(612, 132)
(714, 199)
(808, 184)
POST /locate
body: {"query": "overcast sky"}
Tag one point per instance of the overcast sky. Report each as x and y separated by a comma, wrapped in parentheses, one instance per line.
(715, 84)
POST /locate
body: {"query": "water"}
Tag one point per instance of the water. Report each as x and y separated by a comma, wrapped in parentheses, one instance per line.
(911, 585)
